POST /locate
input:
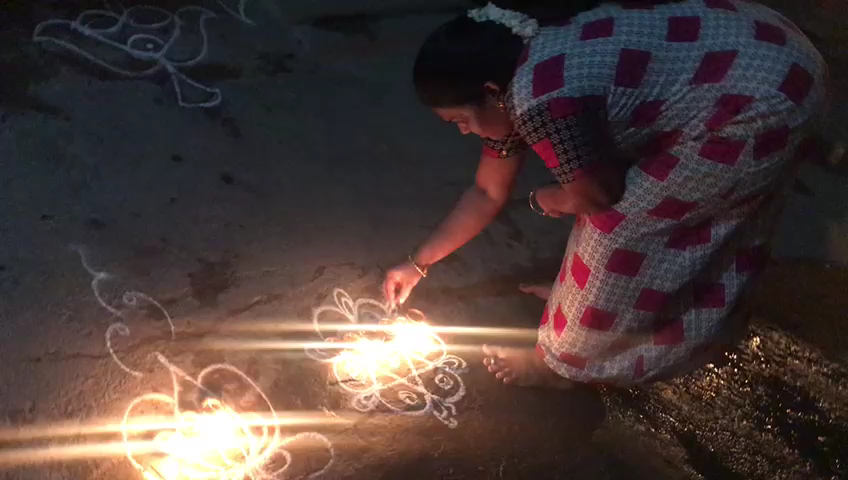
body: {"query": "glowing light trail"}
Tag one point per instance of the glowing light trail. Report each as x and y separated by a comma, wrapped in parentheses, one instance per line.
(214, 441)
(151, 423)
(281, 326)
(404, 366)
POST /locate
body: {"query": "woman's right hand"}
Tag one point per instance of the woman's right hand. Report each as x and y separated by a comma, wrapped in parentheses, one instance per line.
(399, 283)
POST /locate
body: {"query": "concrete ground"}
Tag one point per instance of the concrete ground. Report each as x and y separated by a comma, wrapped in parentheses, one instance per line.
(318, 170)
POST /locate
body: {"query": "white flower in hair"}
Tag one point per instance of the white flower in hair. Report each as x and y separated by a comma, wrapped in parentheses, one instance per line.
(520, 24)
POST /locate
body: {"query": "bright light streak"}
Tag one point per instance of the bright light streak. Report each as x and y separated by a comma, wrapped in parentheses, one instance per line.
(153, 423)
(399, 362)
(485, 334)
(58, 453)
(409, 344)
(282, 346)
(281, 326)
(214, 442)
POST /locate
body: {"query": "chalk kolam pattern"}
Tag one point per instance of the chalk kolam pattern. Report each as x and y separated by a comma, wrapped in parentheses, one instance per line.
(236, 9)
(215, 442)
(130, 301)
(394, 361)
(212, 441)
(142, 41)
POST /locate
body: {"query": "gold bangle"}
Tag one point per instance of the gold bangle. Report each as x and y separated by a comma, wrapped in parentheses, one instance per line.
(422, 271)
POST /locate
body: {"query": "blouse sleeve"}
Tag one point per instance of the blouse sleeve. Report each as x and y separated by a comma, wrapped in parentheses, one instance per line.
(570, 134)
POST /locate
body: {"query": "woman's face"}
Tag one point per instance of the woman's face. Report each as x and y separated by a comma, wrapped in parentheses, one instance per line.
(488, 120)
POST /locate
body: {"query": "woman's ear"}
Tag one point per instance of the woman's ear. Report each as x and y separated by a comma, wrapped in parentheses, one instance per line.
(492, 89)
(494, 95)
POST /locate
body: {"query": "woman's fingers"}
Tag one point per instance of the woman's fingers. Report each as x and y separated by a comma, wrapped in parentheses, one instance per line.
(399, 284)
(396, 288)
(389, 290)
(392, 288)
(405, 290)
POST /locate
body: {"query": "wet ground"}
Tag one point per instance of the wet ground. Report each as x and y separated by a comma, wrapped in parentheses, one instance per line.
(317, 170)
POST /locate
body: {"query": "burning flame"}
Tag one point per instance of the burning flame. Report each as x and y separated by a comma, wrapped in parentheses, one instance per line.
(215, 442)
(389, 361)
(404, 345)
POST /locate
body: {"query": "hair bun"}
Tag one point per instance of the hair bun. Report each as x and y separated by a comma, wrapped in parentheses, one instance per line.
(545, 11)
(518, 23)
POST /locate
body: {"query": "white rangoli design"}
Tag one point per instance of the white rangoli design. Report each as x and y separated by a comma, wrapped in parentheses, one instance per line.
(144, 40)
(384, 359)
(212, 441)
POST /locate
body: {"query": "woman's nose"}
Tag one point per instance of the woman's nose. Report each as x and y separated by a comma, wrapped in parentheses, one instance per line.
(463, 129)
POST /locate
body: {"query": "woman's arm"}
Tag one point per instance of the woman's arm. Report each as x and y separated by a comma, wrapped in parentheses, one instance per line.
(595, 191)
(475, 210)
(572, 135)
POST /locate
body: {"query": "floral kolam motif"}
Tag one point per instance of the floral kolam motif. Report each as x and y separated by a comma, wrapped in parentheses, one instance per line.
(201, 436)
(386, 359)
(142, 41)
(213, 442)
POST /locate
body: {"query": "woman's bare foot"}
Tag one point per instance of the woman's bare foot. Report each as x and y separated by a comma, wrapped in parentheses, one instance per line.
(541, 290)
(522, 367)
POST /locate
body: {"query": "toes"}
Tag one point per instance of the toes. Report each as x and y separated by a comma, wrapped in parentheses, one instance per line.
(539, 290)
(496, 353)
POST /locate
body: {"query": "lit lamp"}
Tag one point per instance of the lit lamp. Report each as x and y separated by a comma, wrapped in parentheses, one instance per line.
(401, 347)
(216, 443)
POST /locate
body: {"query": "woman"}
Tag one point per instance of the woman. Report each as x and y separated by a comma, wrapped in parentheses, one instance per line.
(673, 130)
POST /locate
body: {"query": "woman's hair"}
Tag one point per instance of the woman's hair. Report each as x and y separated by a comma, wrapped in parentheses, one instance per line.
(459, 57)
